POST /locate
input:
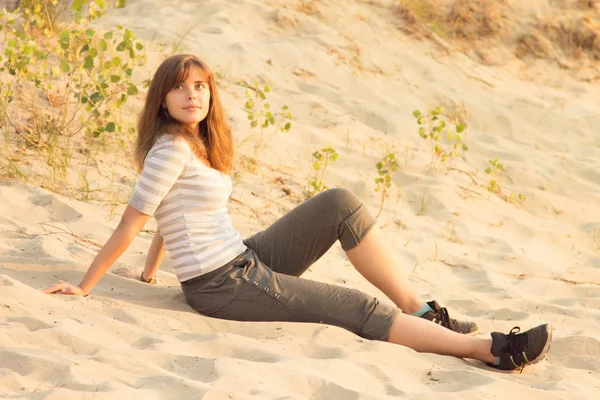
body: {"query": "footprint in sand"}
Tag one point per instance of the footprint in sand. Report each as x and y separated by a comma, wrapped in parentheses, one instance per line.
(326, 390)
(145, 343)
(195, 368)
(57, 208)
(32, 324)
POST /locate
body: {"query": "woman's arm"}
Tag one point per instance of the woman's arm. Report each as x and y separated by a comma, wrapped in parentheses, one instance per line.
(156, 253)
(130, 225)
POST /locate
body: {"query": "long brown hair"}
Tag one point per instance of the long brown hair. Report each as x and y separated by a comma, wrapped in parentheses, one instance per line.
(212, 143)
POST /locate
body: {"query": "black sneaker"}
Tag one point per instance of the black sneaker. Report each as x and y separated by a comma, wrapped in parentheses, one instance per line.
(516, 350)
(440, 316)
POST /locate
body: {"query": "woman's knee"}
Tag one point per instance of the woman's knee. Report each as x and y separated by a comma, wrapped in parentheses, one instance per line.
(341, 199)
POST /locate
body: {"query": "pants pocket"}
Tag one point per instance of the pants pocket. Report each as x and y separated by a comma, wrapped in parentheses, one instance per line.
(262, 278)
(216, 293)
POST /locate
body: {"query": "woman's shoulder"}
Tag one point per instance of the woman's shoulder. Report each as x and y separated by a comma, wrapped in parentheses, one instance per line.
(172, 142)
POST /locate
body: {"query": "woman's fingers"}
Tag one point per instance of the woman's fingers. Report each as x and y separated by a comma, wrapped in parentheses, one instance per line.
(55, 288)
(63, 287)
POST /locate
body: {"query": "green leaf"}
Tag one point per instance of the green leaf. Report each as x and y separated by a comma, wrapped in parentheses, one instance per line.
(88, 62)
(101, 4)
(121, 4)
(128, 35)
(78, 5)
(115, 62)
(96, 97)
(64, 67)
(488, 171)
(132, 90)
(460, 128)
(250, 116)
(110, 127)
(93, 52)
(115, 78)
(287, 126)
(316, 165)
(267, 89)
(108, 35)
(284, 108)
(464, 147)
(139, 46)
(103, 45)
(416, 113)
(89, 32)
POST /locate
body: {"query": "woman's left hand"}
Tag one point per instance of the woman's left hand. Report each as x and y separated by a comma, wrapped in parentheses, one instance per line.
(65, 288)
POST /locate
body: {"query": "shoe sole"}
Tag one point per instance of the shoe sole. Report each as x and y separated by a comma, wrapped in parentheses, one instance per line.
(546, 346)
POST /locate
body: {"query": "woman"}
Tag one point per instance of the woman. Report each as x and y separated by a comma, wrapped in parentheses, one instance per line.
(184, 149)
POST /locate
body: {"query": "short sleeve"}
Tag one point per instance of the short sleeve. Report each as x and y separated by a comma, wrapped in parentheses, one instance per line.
(165, 163)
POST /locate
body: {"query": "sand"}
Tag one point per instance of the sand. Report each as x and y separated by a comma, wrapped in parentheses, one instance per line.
(352, 80)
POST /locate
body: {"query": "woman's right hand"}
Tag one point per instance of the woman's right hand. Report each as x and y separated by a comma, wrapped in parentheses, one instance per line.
(65, 288)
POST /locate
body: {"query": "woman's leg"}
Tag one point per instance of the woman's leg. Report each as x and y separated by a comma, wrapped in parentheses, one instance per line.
(251, 291)
(374, 260)
(425, 337)
(302, 236)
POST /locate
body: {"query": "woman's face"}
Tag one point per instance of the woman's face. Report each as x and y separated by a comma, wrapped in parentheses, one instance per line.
(188, 101)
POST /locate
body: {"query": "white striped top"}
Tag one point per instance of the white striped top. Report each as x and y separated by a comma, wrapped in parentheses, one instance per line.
(189, 201)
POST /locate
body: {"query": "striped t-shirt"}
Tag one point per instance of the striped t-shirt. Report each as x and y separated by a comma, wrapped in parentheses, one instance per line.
(189, 201)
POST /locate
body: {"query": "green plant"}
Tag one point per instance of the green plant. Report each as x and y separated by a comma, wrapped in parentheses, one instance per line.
(494, 171)
(445, 141)
(321, 160)
(70, 83)
(383, 181)
(494, 186)
(39, 16)
(261, 117)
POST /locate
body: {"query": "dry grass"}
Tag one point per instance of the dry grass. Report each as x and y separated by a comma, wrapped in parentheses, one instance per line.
(309, 7)
(460, 19)
(474, 19)
(569, 36)
(575, 37)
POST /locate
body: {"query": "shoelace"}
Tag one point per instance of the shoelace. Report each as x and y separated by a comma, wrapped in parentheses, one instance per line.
(443, 317)
(515, 345)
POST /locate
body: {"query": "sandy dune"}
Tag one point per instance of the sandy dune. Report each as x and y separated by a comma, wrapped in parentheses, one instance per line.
(352, 80)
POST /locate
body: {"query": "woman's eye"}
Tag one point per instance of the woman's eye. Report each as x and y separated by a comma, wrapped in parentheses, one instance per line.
(177, 87)
(200, 86)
